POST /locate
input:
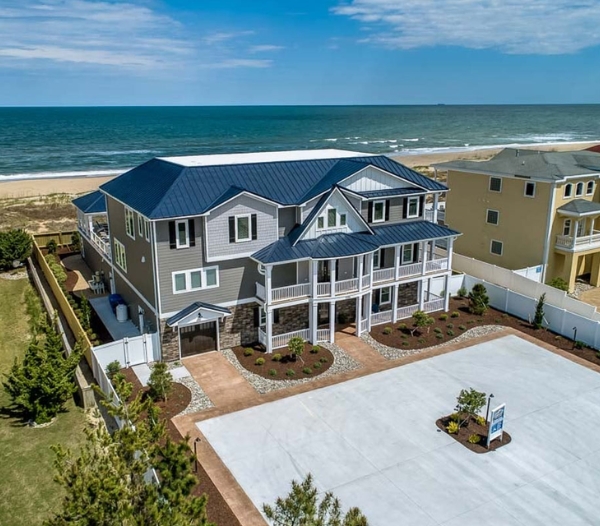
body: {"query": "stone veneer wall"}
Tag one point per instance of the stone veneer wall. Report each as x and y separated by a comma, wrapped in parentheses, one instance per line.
(291, 319)
(238, 329)
(169, 342)
(347, 308)
(408, 294)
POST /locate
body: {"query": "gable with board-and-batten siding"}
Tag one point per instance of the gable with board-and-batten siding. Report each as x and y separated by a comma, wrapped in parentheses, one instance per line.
(371, 179)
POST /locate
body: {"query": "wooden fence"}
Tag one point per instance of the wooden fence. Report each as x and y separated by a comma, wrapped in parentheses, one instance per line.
(63, 303)
(60, 238)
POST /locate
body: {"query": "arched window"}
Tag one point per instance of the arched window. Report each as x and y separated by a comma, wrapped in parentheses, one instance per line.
(568, 190)
(579, 189)
(590, 188)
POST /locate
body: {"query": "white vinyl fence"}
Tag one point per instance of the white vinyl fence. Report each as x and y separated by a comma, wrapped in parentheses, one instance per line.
(456, 282)
(129, 351)
(533, 273)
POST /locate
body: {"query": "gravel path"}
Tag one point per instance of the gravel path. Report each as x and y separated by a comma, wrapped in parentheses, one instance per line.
(199, 401)
(391, 353)
(13, 276)
(342, 363)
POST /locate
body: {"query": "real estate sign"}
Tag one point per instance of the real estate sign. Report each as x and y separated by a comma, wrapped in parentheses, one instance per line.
(496, 423)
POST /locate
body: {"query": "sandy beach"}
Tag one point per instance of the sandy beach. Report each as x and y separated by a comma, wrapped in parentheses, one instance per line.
(81, 185)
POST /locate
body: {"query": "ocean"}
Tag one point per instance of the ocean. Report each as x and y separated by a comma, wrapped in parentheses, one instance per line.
(52, 142)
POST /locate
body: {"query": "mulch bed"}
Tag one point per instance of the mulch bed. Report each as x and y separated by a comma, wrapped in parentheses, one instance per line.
(473, 428)
(401, 338)
(317, 362)
(217, 510)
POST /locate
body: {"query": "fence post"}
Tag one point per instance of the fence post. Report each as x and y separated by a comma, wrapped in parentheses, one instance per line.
(145, 344)
(126, 351)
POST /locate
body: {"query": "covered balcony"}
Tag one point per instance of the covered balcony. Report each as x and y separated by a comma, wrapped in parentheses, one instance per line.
(92, 221)
(578, 226)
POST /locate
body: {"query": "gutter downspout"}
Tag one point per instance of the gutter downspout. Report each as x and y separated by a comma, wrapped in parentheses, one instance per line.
(548, 240)
(156, 286)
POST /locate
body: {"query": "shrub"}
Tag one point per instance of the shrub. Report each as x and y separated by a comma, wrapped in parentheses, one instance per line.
(504, 316)
(272, 372)
(52, 247)
(455, 314)
(296, 346)
(113, 368)
(450, 326)
(421, 341)
(478, 300)
(462, 292)
(437, 330)
(538, 317)
(452, 427)
(579, 345)
(323, 359)
(462, 327)
(57, 269)
(404, 336)
(470, 322)
(497, 320)
(405, 344)
(317, 365)
(443, 317)
(450, 332)
(86, 312)
(259, 361)
(474, 438)
(455, 417)
(307, 370)
(290, 373)
(314, 349)
(160, 382)
(402, 327)
(439, 336)
(421, 320)
(470, 402)
(15, 247)
(76, 241)
(480, 420)
(276, 357)
(559, 283)
(387, 330)
(248, 351)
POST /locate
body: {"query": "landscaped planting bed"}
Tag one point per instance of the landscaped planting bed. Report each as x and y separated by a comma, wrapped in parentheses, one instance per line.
(458, 320)
(470, 428)
(281, 365)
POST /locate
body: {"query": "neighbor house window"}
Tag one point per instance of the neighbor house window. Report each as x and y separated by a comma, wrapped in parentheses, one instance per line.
(385, 296)
(242, 228)
(343, 220)
(567, 227)
(496, 247)
(331, 218)
(378, 211)
(195, 279)
(407, 254)
(377, 259)
(120, 255)
(129, 223)
(147, 229)
(568, 192)
(529, 189)
(320, 223)
(140, 225)
(579, 189)
(495, 184)
(182, 238)
(590, 188)
(493, 216)
(413, 207)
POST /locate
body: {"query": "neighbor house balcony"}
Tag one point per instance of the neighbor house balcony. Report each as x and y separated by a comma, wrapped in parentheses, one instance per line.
(579, 243)
(95, 230)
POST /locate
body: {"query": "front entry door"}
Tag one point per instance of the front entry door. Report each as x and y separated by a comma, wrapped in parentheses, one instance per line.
(197, 339)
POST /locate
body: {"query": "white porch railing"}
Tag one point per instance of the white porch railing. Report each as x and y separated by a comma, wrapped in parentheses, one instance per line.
(290, 292)
(580, 242)
(261, 293)
(323, 289)
(434, 305)
(323, 335)
(364, 325)
(407, 312)
(410, 270)
(384, 274)
(366, 281)
(348, 285)
(381, 317)
(101, 243)
(262, 337)
(436, 265)
(281, 340)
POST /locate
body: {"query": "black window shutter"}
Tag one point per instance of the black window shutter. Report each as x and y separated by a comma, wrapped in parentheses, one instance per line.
(231, 229)
(256, 316)
(172, 238)
(254, 227)
(404, 207)
(421, 204)
(387, 210)
(416, 252)
(370, 212)
(192, 232)
(276, 316)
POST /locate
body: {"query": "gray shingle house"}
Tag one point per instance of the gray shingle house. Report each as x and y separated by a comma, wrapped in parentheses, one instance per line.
(220, 250)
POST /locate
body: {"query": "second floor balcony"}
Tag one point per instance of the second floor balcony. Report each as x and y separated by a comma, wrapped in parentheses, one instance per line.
(579, 243)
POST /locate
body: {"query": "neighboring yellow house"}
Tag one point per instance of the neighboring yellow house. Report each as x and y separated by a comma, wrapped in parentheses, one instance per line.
(525, 208)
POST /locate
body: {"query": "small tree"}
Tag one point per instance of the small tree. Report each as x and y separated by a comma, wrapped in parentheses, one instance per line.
(478, 300)
(296, 346)
(469, 403)
(52, 247)
(421, 320)
(112, 369)
(160, 382)
(40, 385)
(559, 283)
(301, 508)
(538, 318)
(86, 312)
(76, 241)
(15, 247)
(35, 311)
(462, 292)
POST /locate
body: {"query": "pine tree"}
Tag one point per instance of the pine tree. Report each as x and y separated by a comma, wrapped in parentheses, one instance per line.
(478, 300)
(538, 318)
(40, 385)
(160, 381)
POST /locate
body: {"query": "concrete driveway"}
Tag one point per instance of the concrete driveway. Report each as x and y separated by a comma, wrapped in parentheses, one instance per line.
(374, 443)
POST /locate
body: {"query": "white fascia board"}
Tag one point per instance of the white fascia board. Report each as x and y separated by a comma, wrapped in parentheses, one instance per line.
(339, 183)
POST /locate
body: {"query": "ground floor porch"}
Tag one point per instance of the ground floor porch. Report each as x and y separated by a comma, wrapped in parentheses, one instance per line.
(571, 266)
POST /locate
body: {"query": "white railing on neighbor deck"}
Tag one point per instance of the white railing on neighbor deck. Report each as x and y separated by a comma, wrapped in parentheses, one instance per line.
(407, 312)
(366, 281)
(281, 340)
(381, 317)
(581, 242)
(323, 335)
(290, 292)
(323, 289)
(261, 293)
(434, 305)
(384, 274)
(348, 285)
(101, 243)
(436, 265)
(410, 270)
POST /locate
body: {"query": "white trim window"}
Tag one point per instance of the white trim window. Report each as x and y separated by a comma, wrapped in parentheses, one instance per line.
(568, 191)
(195, 279)
(243, 228)
(147, 230)
(529, 189)
(496, 247)
(492, 217)
(343, 220)
(579, 189)
(495, 184)
(590, 188)
(408, 253)
(412, 207)
(567, 227)
(129, 223)
(378, 211)
(377, 259)
(320, 223)
(140, 225)
(120, 254)
(331, 218)
(385, 296)
(182, 234)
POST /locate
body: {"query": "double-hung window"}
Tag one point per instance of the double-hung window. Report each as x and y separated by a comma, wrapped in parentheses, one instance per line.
(496, 247)
(412, 207)
(495, 184)
(493, 217)
(331, 218)
(385, 296)
(320, 223)
(182, 234)
(140, 225)
(408, 254)
(147, 229)
(242, 228)
(343, 220)
(129, 223)
(567, 227)
(377, 259)
(120, 255)
(195, 279)
(529, 189)
(378, 211)
(590, 188)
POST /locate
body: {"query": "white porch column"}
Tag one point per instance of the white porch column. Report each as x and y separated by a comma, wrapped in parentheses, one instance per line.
(397, 261)
(360, 272)
(421, 294)
(90, 226)
(591, 219)
(446, 292)
(424, 256)
(332, 265)
(313, 322)
(359, 301)
(331, 321)
(268, 273)
(450, 252)
(395, 302)
(313, 276)
(369, 297)
(269, 330)
(428, 289)
(436, 198)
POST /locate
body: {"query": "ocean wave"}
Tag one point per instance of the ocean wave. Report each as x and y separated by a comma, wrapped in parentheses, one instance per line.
(60, 175)
(119, 152)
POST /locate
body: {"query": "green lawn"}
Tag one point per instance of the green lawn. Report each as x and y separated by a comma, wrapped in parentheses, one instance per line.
(27, 491)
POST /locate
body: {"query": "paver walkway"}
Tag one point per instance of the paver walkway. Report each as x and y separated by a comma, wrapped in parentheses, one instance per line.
(591, 296)
(360, 350)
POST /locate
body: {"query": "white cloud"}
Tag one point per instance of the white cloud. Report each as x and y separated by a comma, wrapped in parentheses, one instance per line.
(512, 26)
(112, 33)
(264, 48)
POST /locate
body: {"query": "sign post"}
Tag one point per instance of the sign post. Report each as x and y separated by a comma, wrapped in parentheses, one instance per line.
(496, 426)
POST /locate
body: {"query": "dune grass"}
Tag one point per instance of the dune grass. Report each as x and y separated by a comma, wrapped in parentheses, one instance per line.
(28, 493)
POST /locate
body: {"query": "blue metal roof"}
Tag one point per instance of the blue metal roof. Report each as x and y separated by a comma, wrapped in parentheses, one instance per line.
(345, 245)
(394, 192)
(94, 203)
(196, 306)
(160, 189)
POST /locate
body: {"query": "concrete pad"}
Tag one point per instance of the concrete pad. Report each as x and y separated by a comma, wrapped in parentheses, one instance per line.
(118, 330)
(142, 371)
(179, 372)
(374, 443)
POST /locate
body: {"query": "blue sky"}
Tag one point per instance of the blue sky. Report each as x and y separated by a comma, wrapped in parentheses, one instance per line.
(206, 52)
